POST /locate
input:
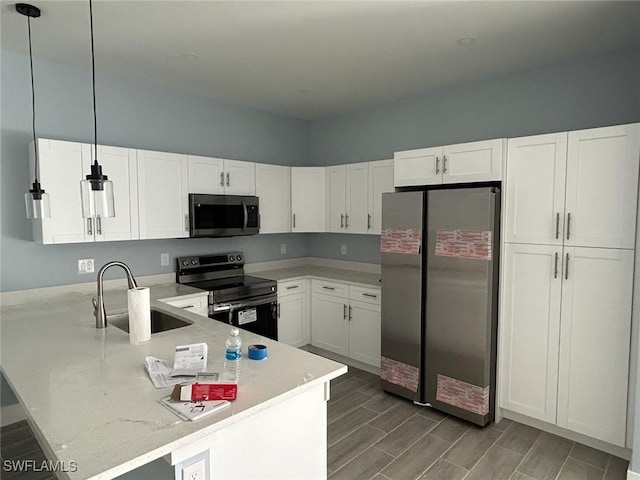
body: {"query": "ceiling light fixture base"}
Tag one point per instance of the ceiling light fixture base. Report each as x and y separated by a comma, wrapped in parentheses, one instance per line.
(28, 10)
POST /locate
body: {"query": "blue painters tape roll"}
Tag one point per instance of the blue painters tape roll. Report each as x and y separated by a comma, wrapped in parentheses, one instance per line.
(257, 352)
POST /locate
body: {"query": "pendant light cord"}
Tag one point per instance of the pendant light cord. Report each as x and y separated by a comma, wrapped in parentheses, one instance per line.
(33, 103)
(93, 70)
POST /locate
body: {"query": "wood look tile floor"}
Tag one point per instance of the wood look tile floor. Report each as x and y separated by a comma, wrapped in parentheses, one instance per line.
(375, 435)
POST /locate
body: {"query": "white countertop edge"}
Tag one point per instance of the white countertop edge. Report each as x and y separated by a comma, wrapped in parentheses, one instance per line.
(207, 431)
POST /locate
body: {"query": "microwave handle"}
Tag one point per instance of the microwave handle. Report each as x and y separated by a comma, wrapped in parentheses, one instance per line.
(246, 215)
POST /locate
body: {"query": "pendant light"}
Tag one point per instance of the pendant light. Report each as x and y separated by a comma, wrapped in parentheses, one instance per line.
(96, 189)
(36, 200)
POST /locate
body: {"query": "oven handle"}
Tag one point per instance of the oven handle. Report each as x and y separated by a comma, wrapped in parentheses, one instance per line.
(232, 306)
(246, 216)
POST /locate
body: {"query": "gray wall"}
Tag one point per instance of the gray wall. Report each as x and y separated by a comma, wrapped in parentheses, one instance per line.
(596, 91)
(129, 115)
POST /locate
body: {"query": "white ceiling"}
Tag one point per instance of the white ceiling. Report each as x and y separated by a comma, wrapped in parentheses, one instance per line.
(310, 59)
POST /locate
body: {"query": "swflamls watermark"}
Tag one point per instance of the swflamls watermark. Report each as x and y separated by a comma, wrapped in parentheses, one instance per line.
(39, 466)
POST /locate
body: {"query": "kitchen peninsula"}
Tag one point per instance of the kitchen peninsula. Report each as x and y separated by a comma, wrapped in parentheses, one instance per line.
(90, 401)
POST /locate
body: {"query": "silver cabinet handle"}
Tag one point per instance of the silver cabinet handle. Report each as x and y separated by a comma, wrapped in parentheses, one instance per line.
(344, 312)
(187, 306)
(444, 164)
(555, 267)
(371, 295)
(99, 225)
(222, 179)
(342, 220)
(227, 179)
(328, 288)
(557, 225)
(568, 226)
(186, 223)
(368, 221)
(278, 311)
(346, 221)
(437, 165)
(350, 317)
(294, 220)
(566, 268)
(292, 287)
(90, 226)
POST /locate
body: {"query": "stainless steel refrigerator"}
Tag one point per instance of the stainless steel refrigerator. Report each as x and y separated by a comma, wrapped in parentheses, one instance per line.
(440, 253)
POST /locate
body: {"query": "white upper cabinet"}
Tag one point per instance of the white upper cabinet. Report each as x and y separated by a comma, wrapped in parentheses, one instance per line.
(273, 188)
(462, 163)
(163, 195)
(307, 199)
(347, 198)
(219, 176)
(380, 181)
(602, 187)
(535, 183)
(579, 188)
(62, 166)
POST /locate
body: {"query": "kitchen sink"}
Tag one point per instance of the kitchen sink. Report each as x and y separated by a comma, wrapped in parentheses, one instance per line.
(160, 321)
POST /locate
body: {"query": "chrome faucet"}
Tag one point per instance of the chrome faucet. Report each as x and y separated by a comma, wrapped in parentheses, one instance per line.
(101, 314)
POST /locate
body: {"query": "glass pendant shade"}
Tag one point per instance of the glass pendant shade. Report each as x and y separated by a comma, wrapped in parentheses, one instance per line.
(36, 201)
(97, 194)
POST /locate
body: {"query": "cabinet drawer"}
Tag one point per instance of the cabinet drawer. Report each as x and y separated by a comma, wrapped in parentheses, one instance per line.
(331, 288)
(192, 303)
(290, 287)
(365, 294)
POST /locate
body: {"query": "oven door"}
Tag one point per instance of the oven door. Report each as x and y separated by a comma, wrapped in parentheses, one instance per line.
(257, 315)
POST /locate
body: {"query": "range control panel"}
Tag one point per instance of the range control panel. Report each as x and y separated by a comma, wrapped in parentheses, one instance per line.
(215, 262)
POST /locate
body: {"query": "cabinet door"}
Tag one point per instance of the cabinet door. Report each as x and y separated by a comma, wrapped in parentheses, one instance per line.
(329, 324)
(534, 195)
(273, 188)
(594, 342)
(61, 169)
(206, 175)
(473, 162)
(293, 311)
(364, 332)
(239, 178)
(335, 198)
(307, 199)
(120, 165)
(380, 181)
(163, 198)
(418, 167)
(357, 183)
(602, 187)
(529, 329)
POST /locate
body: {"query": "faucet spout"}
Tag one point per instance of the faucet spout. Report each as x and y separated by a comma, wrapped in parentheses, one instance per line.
(101, 314)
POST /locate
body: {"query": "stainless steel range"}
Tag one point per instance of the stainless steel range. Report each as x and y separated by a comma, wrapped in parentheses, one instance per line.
(234, 298)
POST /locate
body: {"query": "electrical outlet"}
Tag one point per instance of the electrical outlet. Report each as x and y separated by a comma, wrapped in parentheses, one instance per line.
(343, 249)
(283, 248)
(164, 259)
(85, 265)
(195, 471)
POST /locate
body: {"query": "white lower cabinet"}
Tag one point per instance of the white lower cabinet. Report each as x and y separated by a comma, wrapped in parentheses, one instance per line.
(345, 319)
(293, 312)
(196, 303)
(565, 336)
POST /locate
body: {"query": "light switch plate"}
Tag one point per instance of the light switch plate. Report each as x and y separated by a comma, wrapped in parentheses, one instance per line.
(164, 259)
(343, 249)
(283, 248)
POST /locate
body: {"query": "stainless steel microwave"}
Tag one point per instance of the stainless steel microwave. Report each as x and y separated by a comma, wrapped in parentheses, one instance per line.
(223, 215)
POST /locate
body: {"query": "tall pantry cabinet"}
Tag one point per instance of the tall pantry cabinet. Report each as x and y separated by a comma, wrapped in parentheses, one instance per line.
(569, 233)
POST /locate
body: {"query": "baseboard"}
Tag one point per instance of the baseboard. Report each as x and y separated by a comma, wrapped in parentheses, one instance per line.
(11, 414)
(632, 475)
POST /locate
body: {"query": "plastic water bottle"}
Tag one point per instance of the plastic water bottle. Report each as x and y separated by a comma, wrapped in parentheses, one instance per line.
(233, 351)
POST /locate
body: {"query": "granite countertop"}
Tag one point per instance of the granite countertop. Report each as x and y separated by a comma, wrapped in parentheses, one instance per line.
(87, 393)
(329, 273)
